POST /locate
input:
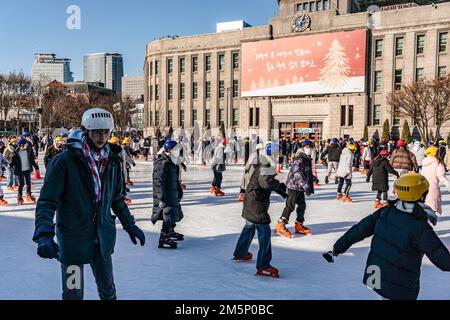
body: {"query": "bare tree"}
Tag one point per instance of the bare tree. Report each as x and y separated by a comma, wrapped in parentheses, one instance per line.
(440, 101)
(122, 115)
(413, 101)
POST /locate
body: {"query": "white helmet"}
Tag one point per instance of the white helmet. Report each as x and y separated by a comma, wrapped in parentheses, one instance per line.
(97, 119)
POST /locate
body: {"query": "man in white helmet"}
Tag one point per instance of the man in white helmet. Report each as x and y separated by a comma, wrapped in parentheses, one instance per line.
(83, 184)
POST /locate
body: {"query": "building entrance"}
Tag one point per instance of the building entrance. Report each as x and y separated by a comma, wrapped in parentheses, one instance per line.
(309, 130)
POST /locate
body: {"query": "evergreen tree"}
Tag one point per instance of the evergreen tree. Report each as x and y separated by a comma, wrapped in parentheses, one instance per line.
(386, 129)
(406, 132)
(366, 133)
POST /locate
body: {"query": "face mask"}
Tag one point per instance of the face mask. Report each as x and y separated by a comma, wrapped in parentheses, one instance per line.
(308, 151)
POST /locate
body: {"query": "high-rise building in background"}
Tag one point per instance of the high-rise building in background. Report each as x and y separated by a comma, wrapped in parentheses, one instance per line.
(47, 67)
(133, 87)
(106, 68)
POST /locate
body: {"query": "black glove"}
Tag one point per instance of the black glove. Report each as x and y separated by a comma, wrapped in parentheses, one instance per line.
(184, 167)
(47, 248)
(367, 180)
(308, 193)
(329, 256)
(134, 164)
(134, 232)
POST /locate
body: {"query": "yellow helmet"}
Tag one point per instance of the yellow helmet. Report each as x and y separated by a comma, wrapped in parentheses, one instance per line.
(126, 141)
(432, 151)
(114, 140)
(442, 141)
(411, 187)
(13, 140)
(351, 147)
(60, 140)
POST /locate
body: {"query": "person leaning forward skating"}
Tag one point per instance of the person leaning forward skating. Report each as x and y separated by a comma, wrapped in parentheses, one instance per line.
(402, 235)
(256, 214)
(83, 184)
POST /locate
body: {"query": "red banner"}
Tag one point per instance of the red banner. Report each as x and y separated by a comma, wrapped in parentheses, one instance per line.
(316, 64)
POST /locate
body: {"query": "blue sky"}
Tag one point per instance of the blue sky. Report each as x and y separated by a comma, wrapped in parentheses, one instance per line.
(27, 26)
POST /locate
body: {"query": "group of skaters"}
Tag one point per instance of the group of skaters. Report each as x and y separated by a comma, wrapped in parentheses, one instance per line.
(18, 159)
(402, 229)
(95, 165)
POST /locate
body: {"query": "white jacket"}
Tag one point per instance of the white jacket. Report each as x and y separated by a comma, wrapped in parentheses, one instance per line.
(345, 167)
(367, 154)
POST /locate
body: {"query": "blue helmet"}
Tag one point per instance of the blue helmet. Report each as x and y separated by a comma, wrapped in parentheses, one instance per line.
(26, 134)
(63, 135)
(169, 145)
(22, 141)
(307, 143)
(334, 140)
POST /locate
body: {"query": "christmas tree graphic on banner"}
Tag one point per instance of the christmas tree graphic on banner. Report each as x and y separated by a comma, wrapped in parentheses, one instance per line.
(335, 73)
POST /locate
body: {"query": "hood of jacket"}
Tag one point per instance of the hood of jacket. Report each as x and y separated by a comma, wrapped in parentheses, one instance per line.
(418, 210)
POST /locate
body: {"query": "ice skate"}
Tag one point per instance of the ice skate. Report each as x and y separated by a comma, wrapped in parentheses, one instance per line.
(282, 230)
(376, 204)
(339, 196)
(10, 188)
(218, 192)
(3, 203)
(175, 236)
(20, 201)
(247, 257)
(30, 199)
(382, 205)
(166, 243)
(302, 229)
(347, 199)
(212, 189)
(268, 272)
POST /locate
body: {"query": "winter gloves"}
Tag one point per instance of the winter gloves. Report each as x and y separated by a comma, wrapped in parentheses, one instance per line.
(47, 248)
(134, 232)
(329, 256)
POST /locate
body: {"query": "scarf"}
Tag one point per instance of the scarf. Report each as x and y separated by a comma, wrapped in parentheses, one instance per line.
(97, 171)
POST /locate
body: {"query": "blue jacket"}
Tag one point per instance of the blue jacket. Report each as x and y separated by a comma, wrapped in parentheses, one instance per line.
(400, 240)
(82, 224)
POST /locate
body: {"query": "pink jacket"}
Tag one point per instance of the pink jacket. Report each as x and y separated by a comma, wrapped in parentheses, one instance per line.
(435, 174)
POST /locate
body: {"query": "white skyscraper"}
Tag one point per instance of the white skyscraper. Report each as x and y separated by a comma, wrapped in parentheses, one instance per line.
(47, 67)
(106, 68)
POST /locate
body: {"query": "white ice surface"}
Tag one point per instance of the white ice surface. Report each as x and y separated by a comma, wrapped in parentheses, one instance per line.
(202, 268)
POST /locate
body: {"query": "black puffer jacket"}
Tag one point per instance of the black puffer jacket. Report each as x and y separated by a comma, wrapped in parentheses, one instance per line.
(17, 164)
(400, 240)
(257, 196)
(333, 151)
(82, 223)
(380, 170)
(166, 185)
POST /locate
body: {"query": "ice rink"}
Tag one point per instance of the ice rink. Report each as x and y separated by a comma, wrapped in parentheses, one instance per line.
(202, 267)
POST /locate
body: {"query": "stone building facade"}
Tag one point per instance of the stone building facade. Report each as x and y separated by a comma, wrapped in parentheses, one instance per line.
(198, 78)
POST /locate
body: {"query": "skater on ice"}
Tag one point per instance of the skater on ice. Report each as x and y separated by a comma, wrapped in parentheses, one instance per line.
(402, 234)
(82, 185)
(256, 213)
(300, 183)
(167, 195)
